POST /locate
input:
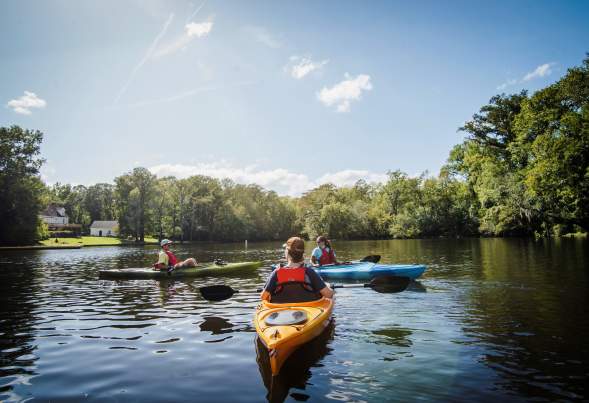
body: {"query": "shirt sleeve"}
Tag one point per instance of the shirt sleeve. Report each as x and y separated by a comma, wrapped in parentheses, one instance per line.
(163, 258)
(317, 253)
(271, 283)
(316, 281)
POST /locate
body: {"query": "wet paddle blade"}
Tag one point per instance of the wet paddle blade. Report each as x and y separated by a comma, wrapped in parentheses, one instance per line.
(217, 292)
(371, 258)
(389, 284)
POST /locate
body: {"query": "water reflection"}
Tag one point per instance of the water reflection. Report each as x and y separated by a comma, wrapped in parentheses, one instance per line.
(501, 319)
(296, 373)
(416, 286)
(398, 337)
(18, 350)
(528, 317)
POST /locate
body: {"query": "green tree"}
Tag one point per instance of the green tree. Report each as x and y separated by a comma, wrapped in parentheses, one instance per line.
(134, 193)
(22, 190)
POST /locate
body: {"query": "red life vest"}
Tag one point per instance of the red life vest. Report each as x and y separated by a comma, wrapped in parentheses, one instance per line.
(327, 257)
(292, 275)
(289, 274)
(171, 258)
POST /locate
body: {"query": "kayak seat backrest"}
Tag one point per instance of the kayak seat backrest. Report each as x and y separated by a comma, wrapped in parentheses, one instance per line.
(294, 292)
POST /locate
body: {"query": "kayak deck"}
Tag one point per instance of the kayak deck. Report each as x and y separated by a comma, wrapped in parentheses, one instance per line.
(282, 340)
(200, 271)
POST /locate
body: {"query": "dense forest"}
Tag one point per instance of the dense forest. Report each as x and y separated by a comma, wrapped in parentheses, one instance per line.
(522, 169)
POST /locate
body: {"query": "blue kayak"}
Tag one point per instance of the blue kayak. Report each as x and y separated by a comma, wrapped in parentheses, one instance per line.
(369, 270)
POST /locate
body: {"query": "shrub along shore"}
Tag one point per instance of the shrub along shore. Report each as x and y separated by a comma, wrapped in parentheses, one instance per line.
(522, 170)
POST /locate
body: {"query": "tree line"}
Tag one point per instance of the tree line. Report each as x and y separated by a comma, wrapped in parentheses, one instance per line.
(522, 169)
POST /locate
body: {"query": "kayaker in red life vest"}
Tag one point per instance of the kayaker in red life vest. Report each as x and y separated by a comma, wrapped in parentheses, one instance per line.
(295, 271)
(323, 254)
(167, 260)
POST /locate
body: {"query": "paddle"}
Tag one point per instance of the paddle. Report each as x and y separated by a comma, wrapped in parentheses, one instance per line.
(383, 284)
(371, 258)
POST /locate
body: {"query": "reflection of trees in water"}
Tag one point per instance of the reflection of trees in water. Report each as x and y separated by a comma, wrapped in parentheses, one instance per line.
(19, 290)
(529, 311)
(296, 370)
(397, 336)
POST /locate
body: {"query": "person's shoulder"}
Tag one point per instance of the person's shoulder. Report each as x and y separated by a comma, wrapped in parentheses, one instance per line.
(309, 269)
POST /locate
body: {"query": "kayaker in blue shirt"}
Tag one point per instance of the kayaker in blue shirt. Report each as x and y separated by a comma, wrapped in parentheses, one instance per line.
(295, 271)
(323, 254)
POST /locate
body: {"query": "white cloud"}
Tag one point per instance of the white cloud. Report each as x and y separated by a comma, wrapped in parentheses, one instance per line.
(262, 35)
(343, 93)
(280, 180)
(192, 30)
(145, 58)
(199, 30)
(299, 67)
(506, 84)
(541, 71)
(24, 104)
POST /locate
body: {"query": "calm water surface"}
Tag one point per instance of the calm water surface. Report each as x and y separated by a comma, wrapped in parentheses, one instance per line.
(491, 319)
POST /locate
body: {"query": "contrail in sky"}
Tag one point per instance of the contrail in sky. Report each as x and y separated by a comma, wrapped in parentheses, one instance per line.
(146, 57)
(195, 12)
(189, 93)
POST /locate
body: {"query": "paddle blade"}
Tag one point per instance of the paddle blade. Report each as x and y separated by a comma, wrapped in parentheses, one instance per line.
(371, 258)
(217, 292)
(389, 284)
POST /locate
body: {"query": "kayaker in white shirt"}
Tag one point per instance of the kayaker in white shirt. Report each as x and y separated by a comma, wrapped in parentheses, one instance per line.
(324, 253)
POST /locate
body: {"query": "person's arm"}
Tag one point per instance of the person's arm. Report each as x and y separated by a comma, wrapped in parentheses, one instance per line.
(270, 286)
(314, 259)
(327, 292)
(318, 284)
(265, 296)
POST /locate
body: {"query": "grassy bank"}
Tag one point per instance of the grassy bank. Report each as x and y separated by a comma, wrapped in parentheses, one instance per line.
(93, 241)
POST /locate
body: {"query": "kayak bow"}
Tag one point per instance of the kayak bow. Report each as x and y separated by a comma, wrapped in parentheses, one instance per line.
(282, 328)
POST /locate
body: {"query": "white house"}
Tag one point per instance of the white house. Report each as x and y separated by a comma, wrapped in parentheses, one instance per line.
(54, 215)
(104, 228)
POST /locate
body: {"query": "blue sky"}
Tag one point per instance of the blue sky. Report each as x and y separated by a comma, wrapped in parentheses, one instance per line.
(285, 94)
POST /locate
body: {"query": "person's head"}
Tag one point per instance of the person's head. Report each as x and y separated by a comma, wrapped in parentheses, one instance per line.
(165, 243)
(322, 242)
(294, 250)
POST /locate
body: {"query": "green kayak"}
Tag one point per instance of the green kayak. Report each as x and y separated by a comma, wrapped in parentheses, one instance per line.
(200, 271)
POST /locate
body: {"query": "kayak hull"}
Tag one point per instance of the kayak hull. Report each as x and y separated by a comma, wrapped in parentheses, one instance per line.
(202, 271)
(367, 271)
(282, 340)
(413, 271)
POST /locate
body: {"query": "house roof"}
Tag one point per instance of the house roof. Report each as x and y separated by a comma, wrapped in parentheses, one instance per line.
(53, 210)
(105, 224)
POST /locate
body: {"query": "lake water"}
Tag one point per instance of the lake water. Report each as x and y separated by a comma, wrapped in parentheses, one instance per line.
(491, 319)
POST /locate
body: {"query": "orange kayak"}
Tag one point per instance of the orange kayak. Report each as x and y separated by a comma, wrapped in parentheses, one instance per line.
(282, 328)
